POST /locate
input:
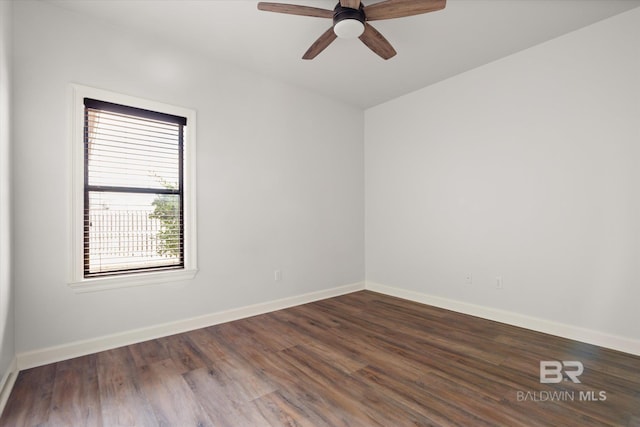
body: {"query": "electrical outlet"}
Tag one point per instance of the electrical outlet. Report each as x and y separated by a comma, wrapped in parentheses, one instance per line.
(468, 279)
(499, 283)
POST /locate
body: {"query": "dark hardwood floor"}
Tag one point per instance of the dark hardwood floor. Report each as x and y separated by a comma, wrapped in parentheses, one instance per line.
(362, 359)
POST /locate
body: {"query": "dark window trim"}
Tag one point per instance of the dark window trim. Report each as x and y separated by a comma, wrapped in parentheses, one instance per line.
(133, 111)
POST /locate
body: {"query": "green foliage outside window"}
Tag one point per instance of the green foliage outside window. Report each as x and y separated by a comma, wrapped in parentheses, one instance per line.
(167, 211)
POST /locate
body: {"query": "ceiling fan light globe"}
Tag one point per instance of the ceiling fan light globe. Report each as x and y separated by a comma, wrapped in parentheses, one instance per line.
(348, 28)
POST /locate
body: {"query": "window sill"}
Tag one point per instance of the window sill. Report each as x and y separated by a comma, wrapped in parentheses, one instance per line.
(131, 280)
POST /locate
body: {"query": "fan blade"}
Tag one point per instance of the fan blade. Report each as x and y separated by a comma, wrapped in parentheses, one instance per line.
(376, 42)
(294, 9)
(390, 9)
(353, 4)
(321, 44)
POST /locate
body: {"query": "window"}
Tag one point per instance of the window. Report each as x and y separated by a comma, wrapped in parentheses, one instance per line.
(134, 222)
(133, 189)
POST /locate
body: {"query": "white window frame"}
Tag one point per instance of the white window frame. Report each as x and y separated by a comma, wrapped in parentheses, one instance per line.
(77, 280)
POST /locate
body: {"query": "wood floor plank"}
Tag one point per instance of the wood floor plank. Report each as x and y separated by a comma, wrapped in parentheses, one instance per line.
(30, 400)
(362, 359)
(121, 401)
(278, 410)
(262, 328)
(416, 400)
(207, 343)
(360, 399)
(184, 353)
(221, 398)
(148, 352)
(169, 395)
(298, 394)
(75, 399)
(407, 335)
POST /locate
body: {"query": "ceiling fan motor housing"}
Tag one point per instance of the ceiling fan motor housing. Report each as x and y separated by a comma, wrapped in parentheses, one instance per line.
(348, 22)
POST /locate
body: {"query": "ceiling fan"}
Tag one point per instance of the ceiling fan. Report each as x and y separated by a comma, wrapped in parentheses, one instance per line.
(351, 19)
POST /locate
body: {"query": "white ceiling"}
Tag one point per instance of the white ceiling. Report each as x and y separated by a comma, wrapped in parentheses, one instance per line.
(431, 47)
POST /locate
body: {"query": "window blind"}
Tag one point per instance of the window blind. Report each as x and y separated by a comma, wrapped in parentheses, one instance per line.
(133, 198)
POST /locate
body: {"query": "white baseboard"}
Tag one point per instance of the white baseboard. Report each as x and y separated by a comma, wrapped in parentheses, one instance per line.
(7, 382)
(589, 336)
(44, 356)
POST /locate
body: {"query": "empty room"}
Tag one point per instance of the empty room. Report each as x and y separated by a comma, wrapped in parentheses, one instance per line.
(320, 213)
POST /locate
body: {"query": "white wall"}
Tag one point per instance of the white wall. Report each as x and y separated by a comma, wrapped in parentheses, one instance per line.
(7, 349)
(280, 180)
(526, 168)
